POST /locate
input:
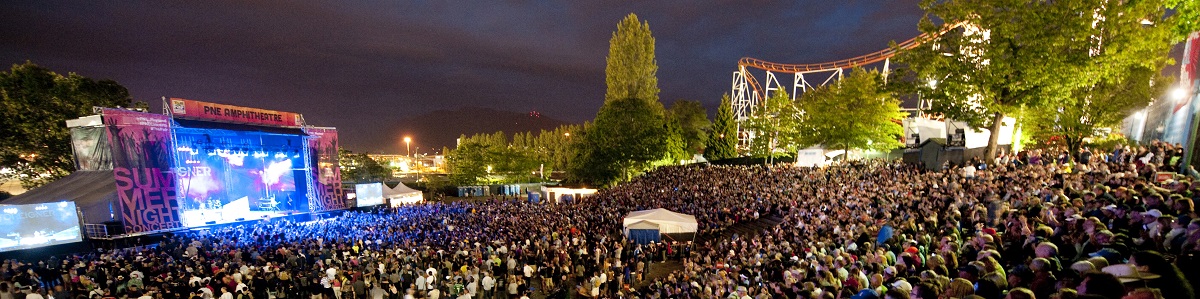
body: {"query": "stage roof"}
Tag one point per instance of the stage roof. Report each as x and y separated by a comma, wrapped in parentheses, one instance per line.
(92, 191)
(197, 124)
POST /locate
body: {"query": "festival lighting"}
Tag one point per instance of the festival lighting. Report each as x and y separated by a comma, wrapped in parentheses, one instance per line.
(1178, 93)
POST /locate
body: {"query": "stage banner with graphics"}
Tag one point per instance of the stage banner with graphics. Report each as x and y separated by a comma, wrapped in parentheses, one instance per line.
(323, 152)
(197, 110)
(1189, 80)
(91, 148)
(141, 158)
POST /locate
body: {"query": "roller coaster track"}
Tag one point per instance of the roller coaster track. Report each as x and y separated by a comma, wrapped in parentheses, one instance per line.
(748, 93)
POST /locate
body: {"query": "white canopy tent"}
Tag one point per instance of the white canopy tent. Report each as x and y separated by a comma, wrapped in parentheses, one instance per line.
(402, 194)
(668, 222)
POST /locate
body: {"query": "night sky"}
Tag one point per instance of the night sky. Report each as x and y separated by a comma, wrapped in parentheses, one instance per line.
(362, 65)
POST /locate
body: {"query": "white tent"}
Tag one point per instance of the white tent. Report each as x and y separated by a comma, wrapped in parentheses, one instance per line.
(668, 222)
(402, 194)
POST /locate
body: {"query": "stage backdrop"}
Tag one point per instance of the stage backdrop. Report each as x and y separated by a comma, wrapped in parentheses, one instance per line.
(323, 150)
(142, 166)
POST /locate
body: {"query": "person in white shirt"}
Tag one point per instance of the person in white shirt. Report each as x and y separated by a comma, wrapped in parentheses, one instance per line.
(225, 294)
(489, 284)
(421, 282)
(435, 294)
(472, 287)
(36, 294)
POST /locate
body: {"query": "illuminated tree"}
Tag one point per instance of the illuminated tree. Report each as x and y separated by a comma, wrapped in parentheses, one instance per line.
(35, 104)
(722, 142)
(631, 69)
(1116, 65)
(855, 113)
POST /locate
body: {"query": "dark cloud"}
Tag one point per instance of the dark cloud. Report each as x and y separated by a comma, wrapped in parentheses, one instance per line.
(361, 65)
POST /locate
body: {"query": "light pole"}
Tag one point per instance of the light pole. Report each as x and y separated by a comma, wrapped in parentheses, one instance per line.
(407, 146)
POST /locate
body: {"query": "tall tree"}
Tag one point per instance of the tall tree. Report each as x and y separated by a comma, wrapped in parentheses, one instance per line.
(1115, 63)
(1006, 55)
(855, 113)
(626, 137)
(693, 124)
(631, 72)
(722, 142)
(35, 104)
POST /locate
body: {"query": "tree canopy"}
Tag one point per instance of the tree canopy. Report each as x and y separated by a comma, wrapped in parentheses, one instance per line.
(626, 137)
(776, 126)
(1114, 71)
(631, 71)
(35, 104)
(722, 142)
(855, 113)
(1007, 54)
(693, 124)
(360, 168)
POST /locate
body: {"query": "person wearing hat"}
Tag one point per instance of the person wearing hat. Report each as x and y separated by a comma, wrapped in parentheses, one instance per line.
(903, 286)
(1171, 281)
(1129, 275)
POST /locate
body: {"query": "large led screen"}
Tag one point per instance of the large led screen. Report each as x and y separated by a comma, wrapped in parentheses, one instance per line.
(37, 225)
(233, 176)
(369, 194)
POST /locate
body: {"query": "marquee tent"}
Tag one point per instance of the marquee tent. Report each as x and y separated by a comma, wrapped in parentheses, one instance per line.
(666, 222)
(402, 194)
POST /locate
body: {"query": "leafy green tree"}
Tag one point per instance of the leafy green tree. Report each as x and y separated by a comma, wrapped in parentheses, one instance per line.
(722, 142)
(35, 104)
(857, 112)
(631, 72)
(1186, 18)
(776, 126)
(693, 124)
(626, 137)
(677, 149)
(360, 168)
(1007, 55)
(1115, 65)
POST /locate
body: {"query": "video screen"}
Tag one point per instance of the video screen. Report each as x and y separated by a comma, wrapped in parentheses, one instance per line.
(241, 176)
(38, 225)
(369, 194)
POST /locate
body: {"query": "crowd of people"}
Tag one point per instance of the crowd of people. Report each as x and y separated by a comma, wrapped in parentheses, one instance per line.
(1022, 226)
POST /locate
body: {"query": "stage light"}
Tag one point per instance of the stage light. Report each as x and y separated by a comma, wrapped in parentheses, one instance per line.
(1178, 93)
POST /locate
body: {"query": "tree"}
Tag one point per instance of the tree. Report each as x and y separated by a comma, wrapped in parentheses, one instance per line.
(676, 146)
(1116, 62)
(857, 112)
(360, 168)
(626, 136)
(722, 142)
(1006, 55)
(776, 126)
(35, 104)
(693, 124)
(631, 72)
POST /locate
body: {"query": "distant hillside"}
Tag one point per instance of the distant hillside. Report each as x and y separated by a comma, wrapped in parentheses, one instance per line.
(439, 128)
